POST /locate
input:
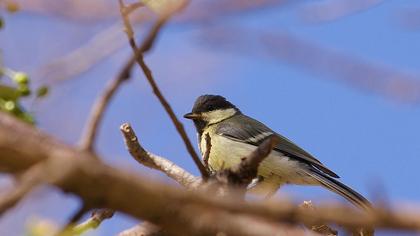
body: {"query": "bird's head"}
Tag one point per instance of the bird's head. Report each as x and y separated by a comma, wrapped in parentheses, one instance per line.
(211, 109)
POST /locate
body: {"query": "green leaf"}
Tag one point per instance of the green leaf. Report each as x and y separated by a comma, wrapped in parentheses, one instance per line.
(24, 90)
(9, 93)
(21, 78)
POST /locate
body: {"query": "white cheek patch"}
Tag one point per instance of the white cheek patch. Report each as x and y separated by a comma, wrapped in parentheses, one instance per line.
(216, 116)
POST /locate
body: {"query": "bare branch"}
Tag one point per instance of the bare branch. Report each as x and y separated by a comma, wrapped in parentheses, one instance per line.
(206, 155)
(233, 182)
(147, 72)
(248, 168)
(319, 228)
(374, 78)
(94, 221)
(109, 40)
(98, 109)
(91, 223)
(103, 186)
(68, 227)
(95, 118)
(327, 11)
(153, 161)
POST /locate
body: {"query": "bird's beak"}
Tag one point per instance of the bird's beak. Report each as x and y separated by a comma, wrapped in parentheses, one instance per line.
(192, 116)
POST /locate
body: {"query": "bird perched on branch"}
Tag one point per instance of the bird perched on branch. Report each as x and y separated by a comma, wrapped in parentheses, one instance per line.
(234, 136)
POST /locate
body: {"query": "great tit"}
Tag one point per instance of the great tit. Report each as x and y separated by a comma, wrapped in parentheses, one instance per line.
(234, 136)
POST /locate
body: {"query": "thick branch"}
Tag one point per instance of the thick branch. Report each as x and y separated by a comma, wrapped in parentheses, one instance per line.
(104, 186)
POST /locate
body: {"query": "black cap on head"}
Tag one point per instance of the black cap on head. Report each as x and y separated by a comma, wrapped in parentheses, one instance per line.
(206, 103)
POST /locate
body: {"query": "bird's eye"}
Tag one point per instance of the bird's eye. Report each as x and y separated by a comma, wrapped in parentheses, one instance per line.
(210, 108)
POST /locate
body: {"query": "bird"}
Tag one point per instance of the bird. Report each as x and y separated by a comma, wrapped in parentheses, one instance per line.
(234, 135)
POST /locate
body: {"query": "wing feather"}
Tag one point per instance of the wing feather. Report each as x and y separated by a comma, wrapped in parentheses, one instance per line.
(244, 129)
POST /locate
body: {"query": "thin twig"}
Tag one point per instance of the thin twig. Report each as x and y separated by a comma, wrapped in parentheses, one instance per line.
(147, 72)
(92, 223)
(153, 161)
(206, 155)
(68, 227)
(28, 181)
(246, 171)
(233, 182)
(98, 110)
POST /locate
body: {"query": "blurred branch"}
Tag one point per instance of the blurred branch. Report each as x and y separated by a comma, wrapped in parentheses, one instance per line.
(92, 10)
(147, 72)
(80, 60)
(319, 228)
(409, 18)
(108, 187)
(110, 39)
(364, 75)
(96, 10)
(145, 229)
(93, 222)
(98, 110)
(67, 228)
(169, 209)
(29, 180)
(91, 130)
(328, 10)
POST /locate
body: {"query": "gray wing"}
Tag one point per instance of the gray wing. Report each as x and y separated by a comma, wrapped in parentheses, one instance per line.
(244, 129)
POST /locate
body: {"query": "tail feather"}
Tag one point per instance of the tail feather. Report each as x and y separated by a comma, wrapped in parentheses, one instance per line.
(341, 189)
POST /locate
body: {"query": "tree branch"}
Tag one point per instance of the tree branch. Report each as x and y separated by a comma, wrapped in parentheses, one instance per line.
(98, 109)
(103, 186)
(95, 118)
(145, 229)
(206, 155)
(153, 161)
(246, 171)
(147, 72)
(319, 228)
(28, 181)
(94, 221)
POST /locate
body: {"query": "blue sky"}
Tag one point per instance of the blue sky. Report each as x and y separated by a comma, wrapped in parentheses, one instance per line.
(370, 140)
